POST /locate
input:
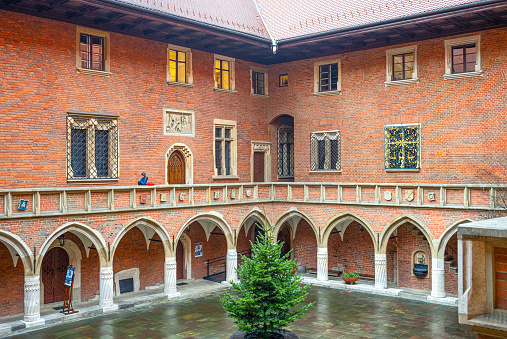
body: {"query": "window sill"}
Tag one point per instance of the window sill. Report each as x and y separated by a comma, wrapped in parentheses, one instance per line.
(326, 172)
(91, 181)
(180, 84)
(259, 96)
(286, 178)
(401, 82)
(92, 72)
(225, 177)
(226, 91)
(462, 75)
(327, 93)
(402, 169)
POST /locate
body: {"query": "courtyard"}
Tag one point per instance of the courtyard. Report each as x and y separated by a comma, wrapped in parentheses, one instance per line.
(336, 314)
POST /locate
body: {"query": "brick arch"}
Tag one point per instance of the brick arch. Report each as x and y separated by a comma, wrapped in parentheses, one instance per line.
(214, 218)
(334, 221)
(294, 214)
(448, 233)
(148, 227)
(400, 220)
(16, 245)
(85, 233)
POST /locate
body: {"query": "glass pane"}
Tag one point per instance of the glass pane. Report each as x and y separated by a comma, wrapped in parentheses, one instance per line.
(218, 157)
(218, 78)
(457, 50)
(470, 66)
(322, 153)
(78, 152)
(227, 133)
(101, 153)
(182, 72)
(398, 59)
(227, 158)
(225, 65)
(225, 83)
(172, 70)
(172, 55)
(409, 57)
(334, 153)
(260, 76)
(218, 132)
(84, 39)
(217, 64)
(457, 68)
(181, 56)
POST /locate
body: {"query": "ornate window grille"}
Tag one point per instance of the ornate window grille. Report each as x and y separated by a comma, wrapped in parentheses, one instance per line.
(402, 147)
(325, 149)
(92, 148)
(286, 153)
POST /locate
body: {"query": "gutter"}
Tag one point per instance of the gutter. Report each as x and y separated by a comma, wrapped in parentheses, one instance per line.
(330, 34)
(274, 44)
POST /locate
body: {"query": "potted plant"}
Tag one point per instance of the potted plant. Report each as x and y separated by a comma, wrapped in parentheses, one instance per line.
(268, 296)
(351, 277)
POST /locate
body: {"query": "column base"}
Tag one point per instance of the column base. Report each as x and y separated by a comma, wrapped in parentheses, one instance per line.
(174, 295)
(226, 283)
(110, 308)
(35, 323)
(326, 278)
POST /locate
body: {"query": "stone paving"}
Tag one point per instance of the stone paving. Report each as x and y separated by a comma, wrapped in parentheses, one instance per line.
(337, 314)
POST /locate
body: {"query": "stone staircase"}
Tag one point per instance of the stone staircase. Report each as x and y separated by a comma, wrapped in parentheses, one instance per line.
(451, 263)
(419, 235)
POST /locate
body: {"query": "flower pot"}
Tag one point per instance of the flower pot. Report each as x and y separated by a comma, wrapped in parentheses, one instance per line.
(274, 335)
(350, 281)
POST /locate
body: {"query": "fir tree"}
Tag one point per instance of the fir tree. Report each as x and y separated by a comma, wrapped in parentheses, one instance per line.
(269, 293)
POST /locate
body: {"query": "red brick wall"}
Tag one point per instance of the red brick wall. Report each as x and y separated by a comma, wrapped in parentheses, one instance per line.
(132, 253)
(451, 278)
(305, 246)
(392, 260)
(11, 284)
(407, 244)
(355, 252)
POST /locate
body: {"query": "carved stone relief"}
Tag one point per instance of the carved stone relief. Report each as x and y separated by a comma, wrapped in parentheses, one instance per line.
(388, 195)
(179, 122)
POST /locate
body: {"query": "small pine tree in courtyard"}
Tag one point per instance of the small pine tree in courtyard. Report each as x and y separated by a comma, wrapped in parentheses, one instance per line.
(269, 293)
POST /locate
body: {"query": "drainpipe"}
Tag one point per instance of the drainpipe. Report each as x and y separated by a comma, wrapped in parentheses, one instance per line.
(274, 43)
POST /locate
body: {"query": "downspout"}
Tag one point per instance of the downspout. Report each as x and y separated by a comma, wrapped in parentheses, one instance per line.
(274, 43)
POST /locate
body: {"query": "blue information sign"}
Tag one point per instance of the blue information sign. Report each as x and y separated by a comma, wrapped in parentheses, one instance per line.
(68, 277)
(22, 204)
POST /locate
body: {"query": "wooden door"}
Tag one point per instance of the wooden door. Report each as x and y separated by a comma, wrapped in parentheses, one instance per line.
(54, 269)
(258, 167)
(179, 261)
(285, 236)
(176, 169)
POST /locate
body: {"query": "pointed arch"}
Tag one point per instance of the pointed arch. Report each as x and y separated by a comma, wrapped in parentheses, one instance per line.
(447, 234)
(16, 245)
(400, 220)
(292, 217)
(255, 215)
(189, 161)
(148, 227)
(208, 221)
(86, 234)
(345, 219)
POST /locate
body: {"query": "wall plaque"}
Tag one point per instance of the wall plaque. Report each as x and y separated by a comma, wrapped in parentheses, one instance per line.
(178, 122)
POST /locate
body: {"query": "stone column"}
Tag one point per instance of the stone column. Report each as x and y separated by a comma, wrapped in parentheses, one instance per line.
(232, 265)
(106, 290)
(437, 278)
(380, 270)
(170, 278)
(32, 302)
(322, 263)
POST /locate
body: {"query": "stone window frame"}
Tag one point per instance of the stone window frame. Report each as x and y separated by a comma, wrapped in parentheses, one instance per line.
(113, 144)
(389, 66)
(264, 147)
(188, 67)
(107, 55)
(419, 151)
(265, 72)
(316, 77)
(232, 74)
(314, 157)
(490, 283)
(181, 111)
(448, 44)
(221, 123)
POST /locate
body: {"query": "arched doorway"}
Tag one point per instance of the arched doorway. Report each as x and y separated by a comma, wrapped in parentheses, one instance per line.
(54, 268)
(285, 236)
(176, 169)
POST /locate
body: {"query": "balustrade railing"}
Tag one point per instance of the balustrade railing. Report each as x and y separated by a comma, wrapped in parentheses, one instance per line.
(34, 202)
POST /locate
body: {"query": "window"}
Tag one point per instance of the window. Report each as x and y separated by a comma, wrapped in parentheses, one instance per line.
(327, 77)
(92, 55)
(402, 147)
(179, 66)
(463, 57)
(284, 80)
(285, 152)
(325, 151)
(92, 146)
(401, 66)
(259, 78)
(224, 74)
(225, 148)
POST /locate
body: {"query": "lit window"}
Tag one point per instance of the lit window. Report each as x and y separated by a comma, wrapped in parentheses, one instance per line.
(179, 66)
(222, 74)
(325, 151)
(402, 147)
(283, 80)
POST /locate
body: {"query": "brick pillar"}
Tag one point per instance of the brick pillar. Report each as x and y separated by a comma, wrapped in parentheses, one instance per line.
(322, 264)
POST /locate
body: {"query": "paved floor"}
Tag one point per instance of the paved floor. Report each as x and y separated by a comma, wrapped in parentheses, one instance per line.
(337, 314)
